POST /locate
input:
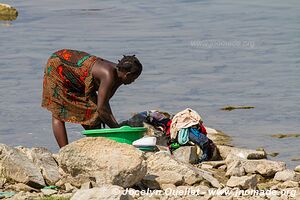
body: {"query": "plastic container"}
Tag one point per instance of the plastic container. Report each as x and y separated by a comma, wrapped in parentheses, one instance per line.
(147, 148)
(146, 141)
(124, 134)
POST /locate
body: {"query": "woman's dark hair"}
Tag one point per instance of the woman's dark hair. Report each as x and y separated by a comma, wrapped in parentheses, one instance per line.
(130, 64)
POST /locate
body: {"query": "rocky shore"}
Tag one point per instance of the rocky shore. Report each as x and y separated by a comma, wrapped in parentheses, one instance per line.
(97, 168)
(8, 12)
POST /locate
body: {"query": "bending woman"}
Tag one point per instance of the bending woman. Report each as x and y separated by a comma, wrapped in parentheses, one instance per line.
(71, 81)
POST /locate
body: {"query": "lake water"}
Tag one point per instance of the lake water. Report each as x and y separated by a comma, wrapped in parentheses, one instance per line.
(199, 54)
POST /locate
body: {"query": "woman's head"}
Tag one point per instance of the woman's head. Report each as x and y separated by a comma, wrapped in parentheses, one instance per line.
(130, 67)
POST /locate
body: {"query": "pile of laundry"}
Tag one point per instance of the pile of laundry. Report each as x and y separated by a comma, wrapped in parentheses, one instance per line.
(184, 128)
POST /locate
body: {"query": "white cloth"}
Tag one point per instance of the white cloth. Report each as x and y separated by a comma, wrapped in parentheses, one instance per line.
(184, 119)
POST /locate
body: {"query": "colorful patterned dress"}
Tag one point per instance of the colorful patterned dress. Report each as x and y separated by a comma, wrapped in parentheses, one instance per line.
(69, 90)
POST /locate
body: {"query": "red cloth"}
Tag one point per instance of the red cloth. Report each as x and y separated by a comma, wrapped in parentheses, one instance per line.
(203, 129)
(168, 128)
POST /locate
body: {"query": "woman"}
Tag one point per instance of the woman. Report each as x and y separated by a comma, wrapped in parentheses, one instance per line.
(71, 81)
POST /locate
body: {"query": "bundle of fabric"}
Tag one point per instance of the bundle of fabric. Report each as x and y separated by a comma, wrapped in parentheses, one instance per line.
(187, 127)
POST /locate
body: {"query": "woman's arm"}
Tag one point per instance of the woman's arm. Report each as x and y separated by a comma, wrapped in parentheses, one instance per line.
(104, 93)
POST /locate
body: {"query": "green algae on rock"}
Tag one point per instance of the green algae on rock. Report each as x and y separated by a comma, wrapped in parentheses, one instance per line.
(285, 135)
(230, 108)
(273, 154)
(295, 159)
(7, 12)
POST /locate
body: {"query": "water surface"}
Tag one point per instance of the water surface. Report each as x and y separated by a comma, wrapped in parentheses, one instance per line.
(200, 54)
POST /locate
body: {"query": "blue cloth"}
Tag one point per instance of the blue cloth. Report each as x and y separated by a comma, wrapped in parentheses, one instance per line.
(201, 140)
(183, 136)
(197, 137)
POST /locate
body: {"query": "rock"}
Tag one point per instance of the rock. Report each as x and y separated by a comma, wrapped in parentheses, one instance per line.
(201, 190)
(218, 137)
(162, 169)
(288, 184)
(15, 166)
(215, 164)
(2, 182)
(240, 152)
(60, 183)
(297, 168)
(186, 191)
(134, 193)
(26, 196)
(63, 196)
(244, 182)
(223, 167)
(211, 130)
(222, 198)
(231, 158)
(106, 161)
(266, 168)
(235, 169)
(48, 192)
(163, 148)
(86, 185)
(107, 192)
(43, 159)
(69, 187)
(21, 187)
(186, 154)
(7, 12)
(287, 175)
(205, 166)
(209, 177)
(168, 187)
(265, 184)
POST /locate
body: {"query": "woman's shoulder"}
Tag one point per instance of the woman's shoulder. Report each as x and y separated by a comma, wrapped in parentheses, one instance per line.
(103, 68)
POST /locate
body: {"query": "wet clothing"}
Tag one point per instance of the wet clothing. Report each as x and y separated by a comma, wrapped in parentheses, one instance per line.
(184, 119)
(183, 136)
(197, 137)
(69, 89)
(202, 141)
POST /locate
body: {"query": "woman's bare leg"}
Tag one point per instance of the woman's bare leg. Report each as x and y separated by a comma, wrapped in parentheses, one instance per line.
(60, 133)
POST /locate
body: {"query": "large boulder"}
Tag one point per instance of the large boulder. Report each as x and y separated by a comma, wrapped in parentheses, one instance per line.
(42, 158)
(107, 192)
(16, 167)
(163, 169)
(106, 161)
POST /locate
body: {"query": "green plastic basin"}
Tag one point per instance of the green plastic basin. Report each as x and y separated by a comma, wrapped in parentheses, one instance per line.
(124, 134)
